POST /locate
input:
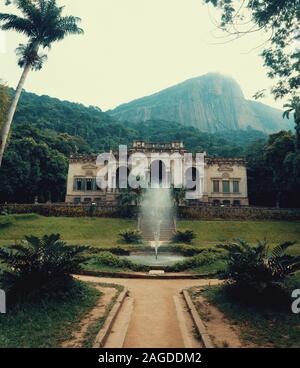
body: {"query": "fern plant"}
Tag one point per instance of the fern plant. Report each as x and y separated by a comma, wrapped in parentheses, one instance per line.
(40, 266)
(258, 266)
(131, 236)
(184, 236)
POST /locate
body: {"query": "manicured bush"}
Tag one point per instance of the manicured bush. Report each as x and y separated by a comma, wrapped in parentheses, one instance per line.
(259, 270)
(190, 250)
(131, 236)
(110, 260)
(118, 251)
(39, 266)
(62, 210)
(184, 236)
(203, 259)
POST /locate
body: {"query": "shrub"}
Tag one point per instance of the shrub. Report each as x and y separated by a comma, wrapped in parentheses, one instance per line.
(184, 236)
(92, 209)
(190, 250)
(119, 251)
(110, 260)
(203, 259)
(27, 217)
(39, 266)
(257, 268)
(6, 221)
(131, 236)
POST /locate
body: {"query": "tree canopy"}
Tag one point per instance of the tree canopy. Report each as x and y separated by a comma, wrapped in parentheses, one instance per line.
(280, 20)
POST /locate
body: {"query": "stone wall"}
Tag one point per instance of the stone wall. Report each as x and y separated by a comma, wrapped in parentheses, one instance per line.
(204, 212)
(61, 210)
(237, 213)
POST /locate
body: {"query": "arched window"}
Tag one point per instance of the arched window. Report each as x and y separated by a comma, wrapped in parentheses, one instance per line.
(191, 177)
(158, 173)
(122, 177)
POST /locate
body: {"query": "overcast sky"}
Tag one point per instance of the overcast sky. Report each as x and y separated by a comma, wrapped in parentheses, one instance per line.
(132, 48)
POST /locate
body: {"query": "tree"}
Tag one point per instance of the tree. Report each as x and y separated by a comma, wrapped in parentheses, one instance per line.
(178, 195)
(280, 19)
(278, 148)
(261, 188)
(4, 101)
(127, 199)
(35, 164)
(43, 24)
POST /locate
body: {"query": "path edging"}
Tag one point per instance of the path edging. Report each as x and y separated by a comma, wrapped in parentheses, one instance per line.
(103, 334)
(133, 275)
(201, 329)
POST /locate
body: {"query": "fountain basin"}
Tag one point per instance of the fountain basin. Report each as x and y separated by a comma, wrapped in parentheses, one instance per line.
(148, 258)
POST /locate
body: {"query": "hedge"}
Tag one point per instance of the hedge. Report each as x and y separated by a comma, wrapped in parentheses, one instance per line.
(186, 212)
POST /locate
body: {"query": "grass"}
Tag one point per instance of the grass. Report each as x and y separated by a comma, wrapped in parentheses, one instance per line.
(94, 328)
(104, 232)
(263, 327)
(47, 323)
(98, 232)
(214, 232)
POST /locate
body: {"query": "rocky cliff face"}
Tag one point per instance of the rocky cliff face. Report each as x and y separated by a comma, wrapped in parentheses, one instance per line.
(211, 103)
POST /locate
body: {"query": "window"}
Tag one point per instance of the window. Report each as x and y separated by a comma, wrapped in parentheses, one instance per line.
(216, 202)
(226, 187)
(216, 186)
(236, 203)
(191, 178)
(87, 200)
(236, 186)
(226, 203)
(77, 200)
(89, 184)
(78, 185)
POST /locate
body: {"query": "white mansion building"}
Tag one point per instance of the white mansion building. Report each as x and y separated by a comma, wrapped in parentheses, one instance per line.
(224, 181)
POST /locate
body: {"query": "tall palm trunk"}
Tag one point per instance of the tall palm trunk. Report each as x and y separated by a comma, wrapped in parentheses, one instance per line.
(11, 112)
(297, 121)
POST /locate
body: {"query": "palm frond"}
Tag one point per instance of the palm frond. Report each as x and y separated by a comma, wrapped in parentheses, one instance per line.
(281, 248)
(43, 24)
(12, 22)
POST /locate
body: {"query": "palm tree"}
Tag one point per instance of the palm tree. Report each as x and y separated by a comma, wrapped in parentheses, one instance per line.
(178, 195)
(42, 22)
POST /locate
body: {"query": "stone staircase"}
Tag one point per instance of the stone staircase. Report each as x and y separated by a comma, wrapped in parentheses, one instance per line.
(167, 229)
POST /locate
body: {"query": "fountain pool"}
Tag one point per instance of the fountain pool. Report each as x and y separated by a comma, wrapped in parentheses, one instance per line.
(149, 259)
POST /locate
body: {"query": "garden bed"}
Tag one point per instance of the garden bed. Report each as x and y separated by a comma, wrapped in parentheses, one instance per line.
(232, 324)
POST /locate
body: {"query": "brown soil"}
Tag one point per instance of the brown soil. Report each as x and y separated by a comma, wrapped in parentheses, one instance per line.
(222, 332)
(98, 312)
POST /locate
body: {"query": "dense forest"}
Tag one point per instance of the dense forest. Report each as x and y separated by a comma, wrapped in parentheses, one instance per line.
(47, 131)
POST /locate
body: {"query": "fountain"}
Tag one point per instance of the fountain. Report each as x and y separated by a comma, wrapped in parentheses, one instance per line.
(156, 220)
(156, 244)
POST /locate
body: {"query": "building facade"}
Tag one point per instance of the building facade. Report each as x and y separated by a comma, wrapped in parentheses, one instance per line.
(224, 181)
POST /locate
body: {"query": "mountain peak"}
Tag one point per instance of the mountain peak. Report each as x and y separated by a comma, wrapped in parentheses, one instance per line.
(212, 102)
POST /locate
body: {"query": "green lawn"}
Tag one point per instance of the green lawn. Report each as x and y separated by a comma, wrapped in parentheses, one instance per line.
(103, 232)
(216, 232)
(46, 323)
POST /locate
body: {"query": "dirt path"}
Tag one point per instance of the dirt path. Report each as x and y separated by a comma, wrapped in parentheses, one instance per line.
(158, 318)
